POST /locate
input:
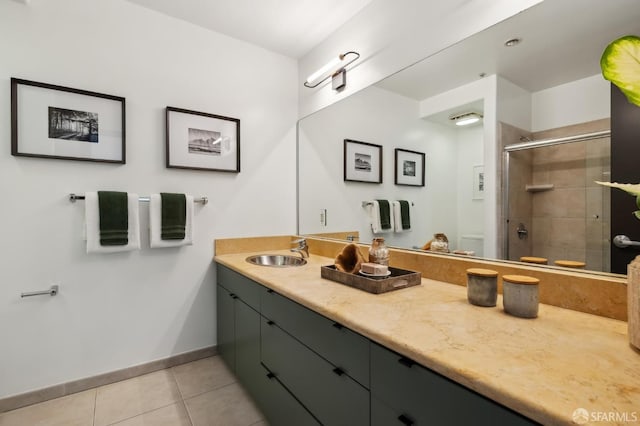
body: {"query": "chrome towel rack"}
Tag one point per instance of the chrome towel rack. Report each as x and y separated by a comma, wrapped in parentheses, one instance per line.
(74, 197)
(369, 203)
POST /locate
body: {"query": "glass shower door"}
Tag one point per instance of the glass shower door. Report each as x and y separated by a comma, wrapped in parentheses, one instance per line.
(554, 209)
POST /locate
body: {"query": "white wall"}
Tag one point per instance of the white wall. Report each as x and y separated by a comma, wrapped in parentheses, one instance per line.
(470, 212)
(514, 104)
(485, 90)
(390, 38)
(576, 102)
(384, 118)
(119, 310)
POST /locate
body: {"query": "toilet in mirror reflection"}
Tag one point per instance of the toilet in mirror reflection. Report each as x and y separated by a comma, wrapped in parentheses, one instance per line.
(472, 243)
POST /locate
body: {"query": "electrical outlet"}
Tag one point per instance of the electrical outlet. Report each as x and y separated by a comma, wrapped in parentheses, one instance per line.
(323, 217)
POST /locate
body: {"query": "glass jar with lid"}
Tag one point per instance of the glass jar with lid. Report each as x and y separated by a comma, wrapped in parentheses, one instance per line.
(379, 252)
(440, 243)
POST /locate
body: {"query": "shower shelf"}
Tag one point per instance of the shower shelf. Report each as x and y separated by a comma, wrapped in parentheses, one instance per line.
(539, 188)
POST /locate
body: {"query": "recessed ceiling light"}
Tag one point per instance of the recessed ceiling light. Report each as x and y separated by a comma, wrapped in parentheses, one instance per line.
(512, 42)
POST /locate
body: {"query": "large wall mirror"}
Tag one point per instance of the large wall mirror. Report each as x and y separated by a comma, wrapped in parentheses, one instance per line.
(532, 78)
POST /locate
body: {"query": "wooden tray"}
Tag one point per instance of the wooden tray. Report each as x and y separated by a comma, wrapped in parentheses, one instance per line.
(399, 278)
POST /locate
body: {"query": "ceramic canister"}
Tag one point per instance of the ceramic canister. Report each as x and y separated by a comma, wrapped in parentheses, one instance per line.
(482, 287)
(520, 295)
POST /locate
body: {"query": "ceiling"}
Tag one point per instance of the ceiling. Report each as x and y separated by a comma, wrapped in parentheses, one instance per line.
(562, 41)
(289, 27)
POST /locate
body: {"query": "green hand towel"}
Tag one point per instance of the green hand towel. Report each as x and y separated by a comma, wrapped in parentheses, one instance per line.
(404, 214)
(385, 214)
(114, 218)
(174, 216)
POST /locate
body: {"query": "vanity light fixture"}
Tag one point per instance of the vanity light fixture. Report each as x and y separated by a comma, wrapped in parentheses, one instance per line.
(334, 69)
(465, 118)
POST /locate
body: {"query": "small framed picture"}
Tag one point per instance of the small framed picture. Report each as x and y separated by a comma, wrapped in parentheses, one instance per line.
(478, 182)
(201, 141)
(362, 162)
(50, 121)
(409, 167)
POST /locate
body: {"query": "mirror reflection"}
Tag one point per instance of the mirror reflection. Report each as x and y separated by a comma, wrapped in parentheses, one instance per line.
(532, 78)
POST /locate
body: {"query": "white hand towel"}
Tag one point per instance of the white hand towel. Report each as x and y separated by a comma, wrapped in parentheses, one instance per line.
(155, 224)
(374, 218)
(92, 221)
(397, 217)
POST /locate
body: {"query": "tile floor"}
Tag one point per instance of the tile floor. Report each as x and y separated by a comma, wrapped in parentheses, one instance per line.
(200, 393)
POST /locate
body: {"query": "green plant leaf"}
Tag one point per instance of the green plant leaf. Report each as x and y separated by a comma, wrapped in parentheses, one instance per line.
(633, 189)
(620, 63)
(637, 214)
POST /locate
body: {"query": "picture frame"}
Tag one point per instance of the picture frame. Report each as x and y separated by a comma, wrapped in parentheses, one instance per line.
(478, 182)
(51, 121)
(201, 141)
(409, 167)
(362, 162)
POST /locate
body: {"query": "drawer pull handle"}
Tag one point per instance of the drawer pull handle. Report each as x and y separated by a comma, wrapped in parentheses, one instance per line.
(270, 322)
(270, 375)
(233, 296)
(405, 420)
(339, 371)
(406, 362)
(338, 326)
(269, 290)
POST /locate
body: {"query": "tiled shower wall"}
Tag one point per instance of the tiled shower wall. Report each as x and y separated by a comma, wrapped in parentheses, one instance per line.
(570, 221)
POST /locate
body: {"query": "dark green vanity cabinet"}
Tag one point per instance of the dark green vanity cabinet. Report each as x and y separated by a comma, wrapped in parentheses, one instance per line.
(323, 386)
(302, 368)
(340, 346)
(405, 393)
(278, 405)
(226, 326)
(238, 328)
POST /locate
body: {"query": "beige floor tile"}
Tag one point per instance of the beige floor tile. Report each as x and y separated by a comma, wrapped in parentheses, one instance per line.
(202, 376)
(129, 398)
(227, 406)
(171, 415)
(71, 410)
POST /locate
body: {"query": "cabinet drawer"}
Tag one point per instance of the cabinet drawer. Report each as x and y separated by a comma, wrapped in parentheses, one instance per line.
(277, 404)
(329, 394)
(383, 415)
(426, 397)
(243, 287)
(334, 342)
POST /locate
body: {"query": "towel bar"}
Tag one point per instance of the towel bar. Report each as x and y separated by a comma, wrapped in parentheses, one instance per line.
(53, 290)
(369, 203)
(73, 197)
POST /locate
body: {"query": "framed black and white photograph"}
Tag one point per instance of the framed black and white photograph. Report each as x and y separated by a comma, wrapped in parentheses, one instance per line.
(50, 121)
(478, 182)
(362, 162)
(202, 141)
(409, 166)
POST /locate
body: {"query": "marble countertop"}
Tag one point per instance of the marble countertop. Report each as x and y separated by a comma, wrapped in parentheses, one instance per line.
(545, 368)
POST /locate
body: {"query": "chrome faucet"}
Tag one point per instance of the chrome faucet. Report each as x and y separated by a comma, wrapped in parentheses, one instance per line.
(302, 248)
